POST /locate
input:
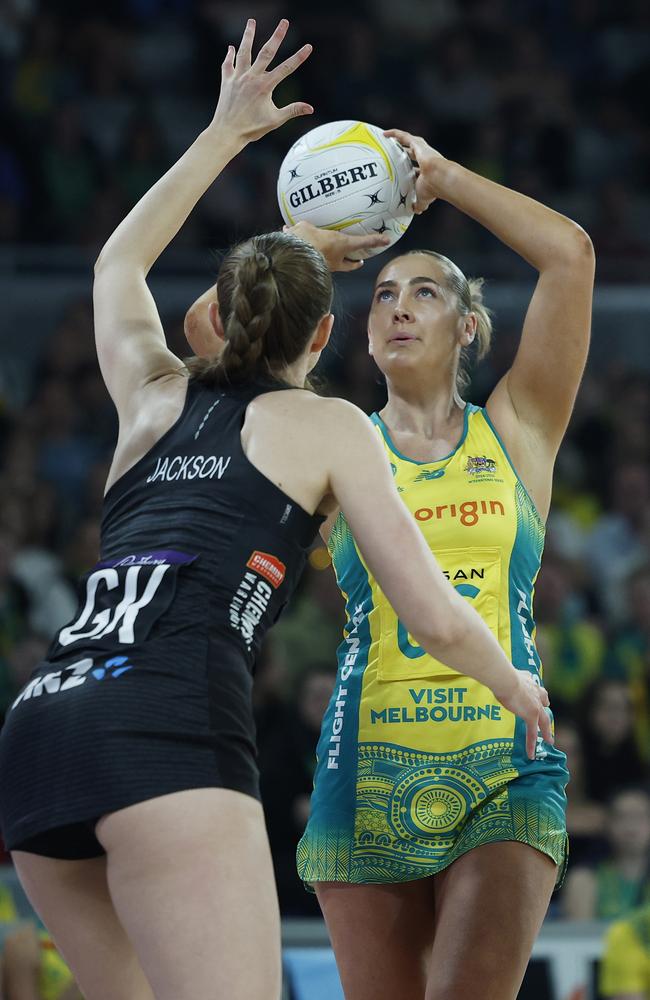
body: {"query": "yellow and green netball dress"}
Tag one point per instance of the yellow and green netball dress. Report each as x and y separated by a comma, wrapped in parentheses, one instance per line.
(418, 764)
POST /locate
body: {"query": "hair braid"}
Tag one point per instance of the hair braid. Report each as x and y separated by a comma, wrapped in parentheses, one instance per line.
(254, 299)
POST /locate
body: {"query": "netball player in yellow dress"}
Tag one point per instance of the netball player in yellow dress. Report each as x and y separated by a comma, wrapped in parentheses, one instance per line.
(437, 830)
(434, 841)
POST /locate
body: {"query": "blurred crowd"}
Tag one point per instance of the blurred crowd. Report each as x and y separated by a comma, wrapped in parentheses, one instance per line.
(548, 96)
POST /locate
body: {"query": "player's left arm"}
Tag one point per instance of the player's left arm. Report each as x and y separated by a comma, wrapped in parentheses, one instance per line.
(538, 392)
(130, 342)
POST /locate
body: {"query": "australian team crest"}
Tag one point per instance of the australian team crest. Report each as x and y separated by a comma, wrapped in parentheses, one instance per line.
(480, 465)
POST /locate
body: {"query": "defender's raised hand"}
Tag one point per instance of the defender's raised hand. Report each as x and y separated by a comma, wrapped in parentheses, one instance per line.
(246, 105)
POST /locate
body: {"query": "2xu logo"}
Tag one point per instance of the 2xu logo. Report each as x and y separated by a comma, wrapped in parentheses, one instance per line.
(73, 676)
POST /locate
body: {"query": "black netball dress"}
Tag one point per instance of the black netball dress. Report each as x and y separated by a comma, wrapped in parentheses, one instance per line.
(148, 690)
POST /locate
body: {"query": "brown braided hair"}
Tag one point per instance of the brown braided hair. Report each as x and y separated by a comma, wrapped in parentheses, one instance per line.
(273, 290)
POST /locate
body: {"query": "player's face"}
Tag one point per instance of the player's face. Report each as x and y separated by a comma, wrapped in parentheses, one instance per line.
(414, 321)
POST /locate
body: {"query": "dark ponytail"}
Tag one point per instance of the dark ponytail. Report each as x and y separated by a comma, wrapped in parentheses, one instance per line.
(273, 290)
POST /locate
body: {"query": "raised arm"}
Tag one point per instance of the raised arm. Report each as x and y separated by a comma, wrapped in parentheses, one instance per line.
(130, 340)
(539, 390)
(440, 620)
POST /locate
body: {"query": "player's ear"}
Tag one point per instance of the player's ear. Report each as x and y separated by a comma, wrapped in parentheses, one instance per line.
(204, 334)
(322, 334)
(468, 329)
(215, 320)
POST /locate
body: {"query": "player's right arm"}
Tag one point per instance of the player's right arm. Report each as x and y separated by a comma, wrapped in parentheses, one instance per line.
(395, 550)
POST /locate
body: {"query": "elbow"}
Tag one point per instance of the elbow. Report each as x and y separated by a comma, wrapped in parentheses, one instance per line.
(578, 250)
(101, 261)
(445, 632)
(451, 634)
(112, 261)
(582, 241)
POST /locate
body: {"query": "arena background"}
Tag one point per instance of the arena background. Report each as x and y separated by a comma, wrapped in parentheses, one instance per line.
(548, 96)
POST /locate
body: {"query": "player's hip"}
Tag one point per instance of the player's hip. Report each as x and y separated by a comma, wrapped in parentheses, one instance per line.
(403, 813)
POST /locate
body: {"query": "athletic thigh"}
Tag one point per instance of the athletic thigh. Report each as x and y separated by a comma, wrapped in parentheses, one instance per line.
(381, 936)
(192, 881)
(490, 905)
(73, 900)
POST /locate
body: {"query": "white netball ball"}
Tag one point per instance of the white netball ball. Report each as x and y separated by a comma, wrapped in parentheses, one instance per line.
(348, 176)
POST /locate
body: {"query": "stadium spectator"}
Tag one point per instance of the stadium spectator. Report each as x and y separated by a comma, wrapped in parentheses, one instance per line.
(630, 654)
(621, 881)
(32, 968)
(287, 762)
(314, 629)
(612, 757)
(573, 646)
(619, 541)
(585, 817)
(69, 172)
(625, 966)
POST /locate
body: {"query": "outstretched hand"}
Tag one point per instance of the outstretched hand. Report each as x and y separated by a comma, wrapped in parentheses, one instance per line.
(341, 251)
(427, 159)
(246, 104)
(529, 701)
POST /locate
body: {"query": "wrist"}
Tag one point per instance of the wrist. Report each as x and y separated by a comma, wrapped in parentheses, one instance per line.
(507, 683)
(227, 139)
(443, 176)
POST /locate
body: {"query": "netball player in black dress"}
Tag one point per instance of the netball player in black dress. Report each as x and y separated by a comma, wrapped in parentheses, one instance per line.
(128, 785)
